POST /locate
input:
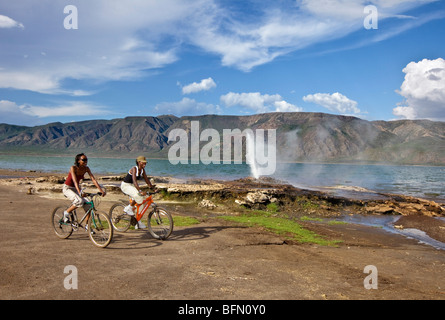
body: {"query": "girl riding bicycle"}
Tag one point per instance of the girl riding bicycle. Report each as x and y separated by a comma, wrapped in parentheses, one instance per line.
(71, 187)
(131, 187)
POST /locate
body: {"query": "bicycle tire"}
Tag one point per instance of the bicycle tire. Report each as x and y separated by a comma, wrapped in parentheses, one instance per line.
(100, 229)
(63, 230)
(160, 223)
(120, 220)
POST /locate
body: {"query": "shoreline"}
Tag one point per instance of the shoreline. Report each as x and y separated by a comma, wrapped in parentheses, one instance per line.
(377, 180)
(344, 162)
(356, 192)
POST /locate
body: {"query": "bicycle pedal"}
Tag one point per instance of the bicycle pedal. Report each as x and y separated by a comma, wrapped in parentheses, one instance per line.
(133, 221)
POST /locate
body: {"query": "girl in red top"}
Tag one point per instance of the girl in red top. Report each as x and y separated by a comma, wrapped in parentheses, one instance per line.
(71, 188)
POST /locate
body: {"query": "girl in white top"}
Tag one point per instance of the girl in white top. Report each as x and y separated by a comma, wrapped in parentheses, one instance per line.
(131, 187)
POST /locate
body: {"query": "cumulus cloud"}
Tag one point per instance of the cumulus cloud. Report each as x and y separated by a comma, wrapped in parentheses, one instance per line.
(424, 91)
(7, 22)
(204, 85)
(335, 102)
(188, 107)
(259, 103)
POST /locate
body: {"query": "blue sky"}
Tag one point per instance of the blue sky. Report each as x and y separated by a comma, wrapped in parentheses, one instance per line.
(106, 59)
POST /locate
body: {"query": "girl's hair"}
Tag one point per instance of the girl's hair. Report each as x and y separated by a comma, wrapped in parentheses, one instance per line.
(76, 161)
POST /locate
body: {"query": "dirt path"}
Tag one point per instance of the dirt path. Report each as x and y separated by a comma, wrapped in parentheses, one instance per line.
(211, 260)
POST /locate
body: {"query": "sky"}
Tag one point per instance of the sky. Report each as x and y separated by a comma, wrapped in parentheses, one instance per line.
(78, 60)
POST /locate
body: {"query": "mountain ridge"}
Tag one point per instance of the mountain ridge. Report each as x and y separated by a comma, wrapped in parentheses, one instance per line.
(301, 136)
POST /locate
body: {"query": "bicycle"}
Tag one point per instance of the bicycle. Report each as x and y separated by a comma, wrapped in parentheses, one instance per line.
(99, 227)
(160, 221)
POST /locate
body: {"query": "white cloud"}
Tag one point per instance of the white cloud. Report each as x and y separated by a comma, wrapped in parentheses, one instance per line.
(188, 107)
(118, 41)
(335, 102)
(405, 112)
(12, 113)
(27, 81)
(259, 103)
(68, 109)
(114, 41)
(204, 85)
(7, 22)
(423, 90)
(280, 28)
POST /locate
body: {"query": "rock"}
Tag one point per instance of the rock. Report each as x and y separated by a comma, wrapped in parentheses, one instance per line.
(207, 204)
(240, 202)
(50, 179)
(113, 178)
(380, 209)
(384, 209)
(257, 197)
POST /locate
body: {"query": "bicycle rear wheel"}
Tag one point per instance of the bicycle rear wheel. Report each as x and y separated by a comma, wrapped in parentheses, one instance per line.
(120, 220)
(100, 229)
(160, 224)
(63, 230)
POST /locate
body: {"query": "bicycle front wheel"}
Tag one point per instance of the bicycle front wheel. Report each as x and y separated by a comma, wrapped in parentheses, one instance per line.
(63, 230)
(160, 224)
(100, 229)
(120, 220)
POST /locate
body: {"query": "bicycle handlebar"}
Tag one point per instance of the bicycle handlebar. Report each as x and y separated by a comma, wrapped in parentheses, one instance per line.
(87, 194)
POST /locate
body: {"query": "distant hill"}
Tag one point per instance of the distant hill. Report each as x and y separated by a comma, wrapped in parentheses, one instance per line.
(301, 136)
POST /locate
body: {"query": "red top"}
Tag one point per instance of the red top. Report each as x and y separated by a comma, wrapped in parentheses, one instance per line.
(69, 181)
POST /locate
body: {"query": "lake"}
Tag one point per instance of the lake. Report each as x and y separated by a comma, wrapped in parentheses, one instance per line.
(419, 181)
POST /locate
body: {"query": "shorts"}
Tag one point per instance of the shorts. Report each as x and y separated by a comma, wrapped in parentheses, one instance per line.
(71, 194)
(130, 190)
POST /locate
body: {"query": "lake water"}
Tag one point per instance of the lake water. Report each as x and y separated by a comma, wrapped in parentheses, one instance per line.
(420, 181)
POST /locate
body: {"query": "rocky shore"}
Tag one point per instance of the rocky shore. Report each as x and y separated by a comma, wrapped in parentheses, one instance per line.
(251, 193)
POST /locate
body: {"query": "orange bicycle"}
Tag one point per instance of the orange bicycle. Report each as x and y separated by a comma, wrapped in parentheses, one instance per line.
(160, 222)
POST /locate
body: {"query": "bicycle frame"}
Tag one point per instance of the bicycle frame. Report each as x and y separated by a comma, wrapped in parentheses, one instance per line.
(160, 222)
(88, 213)
(147, 202)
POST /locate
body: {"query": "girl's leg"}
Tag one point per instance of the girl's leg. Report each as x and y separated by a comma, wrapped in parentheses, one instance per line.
(77, 200)
(73, 207)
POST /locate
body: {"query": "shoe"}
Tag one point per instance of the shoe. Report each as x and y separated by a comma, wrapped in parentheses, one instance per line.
(86, 229)
(129, 210)
(140, 225)
(66, 216)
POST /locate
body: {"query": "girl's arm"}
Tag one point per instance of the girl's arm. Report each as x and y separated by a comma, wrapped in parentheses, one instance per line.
(147, 181)
(98, 186)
